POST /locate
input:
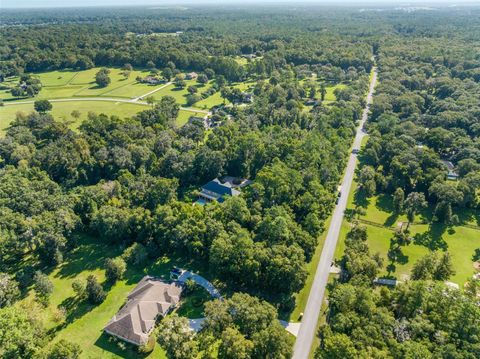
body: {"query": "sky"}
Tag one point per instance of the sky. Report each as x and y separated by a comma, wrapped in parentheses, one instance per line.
(74, 3)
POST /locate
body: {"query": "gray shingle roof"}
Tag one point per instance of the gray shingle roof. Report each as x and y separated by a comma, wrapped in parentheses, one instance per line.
(136, 319)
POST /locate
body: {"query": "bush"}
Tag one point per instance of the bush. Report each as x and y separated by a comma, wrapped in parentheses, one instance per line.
(95, 292)
(42, 106)
(64, 349)
(79, 287)
(115, 269)
(43, 287)
(136, 254)
(148, 346)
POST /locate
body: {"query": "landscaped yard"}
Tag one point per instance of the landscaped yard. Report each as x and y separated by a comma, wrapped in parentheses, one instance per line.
(83, 323)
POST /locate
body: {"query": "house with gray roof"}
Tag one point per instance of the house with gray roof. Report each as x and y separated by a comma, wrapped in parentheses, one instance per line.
(451, 174)
(150, 299)
(216, 190)
(219, 189)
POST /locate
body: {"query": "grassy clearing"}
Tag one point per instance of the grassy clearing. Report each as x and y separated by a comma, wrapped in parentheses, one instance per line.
(329, 95)
(62, 111)
(56, 78)
(180, 94)
(459, 241)
(133, 90)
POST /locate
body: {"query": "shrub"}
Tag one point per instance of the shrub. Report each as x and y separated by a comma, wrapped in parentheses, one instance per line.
(95, 292)
(136, 254)
(148, 346)
(43, 287)
(115, 269)
(78, 286)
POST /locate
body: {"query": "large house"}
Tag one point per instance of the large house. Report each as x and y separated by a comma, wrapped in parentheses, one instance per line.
(217, 190)
(150, 299)
(191, 76)
(451, 174)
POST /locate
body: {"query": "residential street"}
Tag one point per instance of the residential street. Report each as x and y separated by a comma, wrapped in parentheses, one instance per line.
(312, 310)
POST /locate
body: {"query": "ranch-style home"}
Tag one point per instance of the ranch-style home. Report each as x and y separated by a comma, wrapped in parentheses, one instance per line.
(150, 299)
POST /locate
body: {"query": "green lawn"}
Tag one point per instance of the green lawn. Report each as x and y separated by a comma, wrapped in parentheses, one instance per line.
(62, 111)
(180, 94)
(83, 323)
(132, 90)
(56, 78)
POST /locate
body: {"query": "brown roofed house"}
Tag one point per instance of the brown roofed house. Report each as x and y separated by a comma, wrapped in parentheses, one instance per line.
(136, 319)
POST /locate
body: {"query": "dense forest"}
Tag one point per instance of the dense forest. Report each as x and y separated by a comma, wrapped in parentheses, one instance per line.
(130, 183)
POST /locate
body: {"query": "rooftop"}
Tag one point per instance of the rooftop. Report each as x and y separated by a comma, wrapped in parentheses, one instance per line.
(149, 299)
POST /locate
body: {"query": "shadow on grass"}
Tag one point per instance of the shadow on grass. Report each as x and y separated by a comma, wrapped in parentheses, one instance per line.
(118, 347)
(192, 304)
(433, 238)
(467, 215)
(360, 200)
(89, 255)
(75, 309)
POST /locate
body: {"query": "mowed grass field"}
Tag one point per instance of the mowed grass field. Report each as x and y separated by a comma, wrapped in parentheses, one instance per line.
(61, 111)
(460, 241)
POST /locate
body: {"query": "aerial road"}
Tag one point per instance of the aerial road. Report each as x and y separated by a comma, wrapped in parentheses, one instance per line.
(308, 327)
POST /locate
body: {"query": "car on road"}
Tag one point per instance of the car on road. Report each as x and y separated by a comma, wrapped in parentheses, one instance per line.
(356, 151)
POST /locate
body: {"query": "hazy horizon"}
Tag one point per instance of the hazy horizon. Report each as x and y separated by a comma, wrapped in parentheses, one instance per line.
(106, 3)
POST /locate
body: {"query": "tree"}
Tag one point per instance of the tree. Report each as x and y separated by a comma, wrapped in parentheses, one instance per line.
(76, 114)
(102, 79)
(398, 199)
(366, 180)
(180, 82)
(94, 290)
(150, 100)
(125, 74)
(444, 269)
(192, 89)
(63, 349)
(323, 92)
(79, 287)
(234, 345)
(433, 267)
(175, 336)
(220, 81)
(9, 292)
(202, 78)
(193, 98)
(272, 342)
(414, 202)
(115, 269)
(42, 106)
(21, 334)
(336, 346)
(167, 73)
(43, 287)
(127, 67)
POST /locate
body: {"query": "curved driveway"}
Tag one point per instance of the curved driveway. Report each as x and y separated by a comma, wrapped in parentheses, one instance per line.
(308, 327)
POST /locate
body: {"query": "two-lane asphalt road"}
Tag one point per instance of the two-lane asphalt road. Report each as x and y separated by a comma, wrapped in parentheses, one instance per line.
(308, 327)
